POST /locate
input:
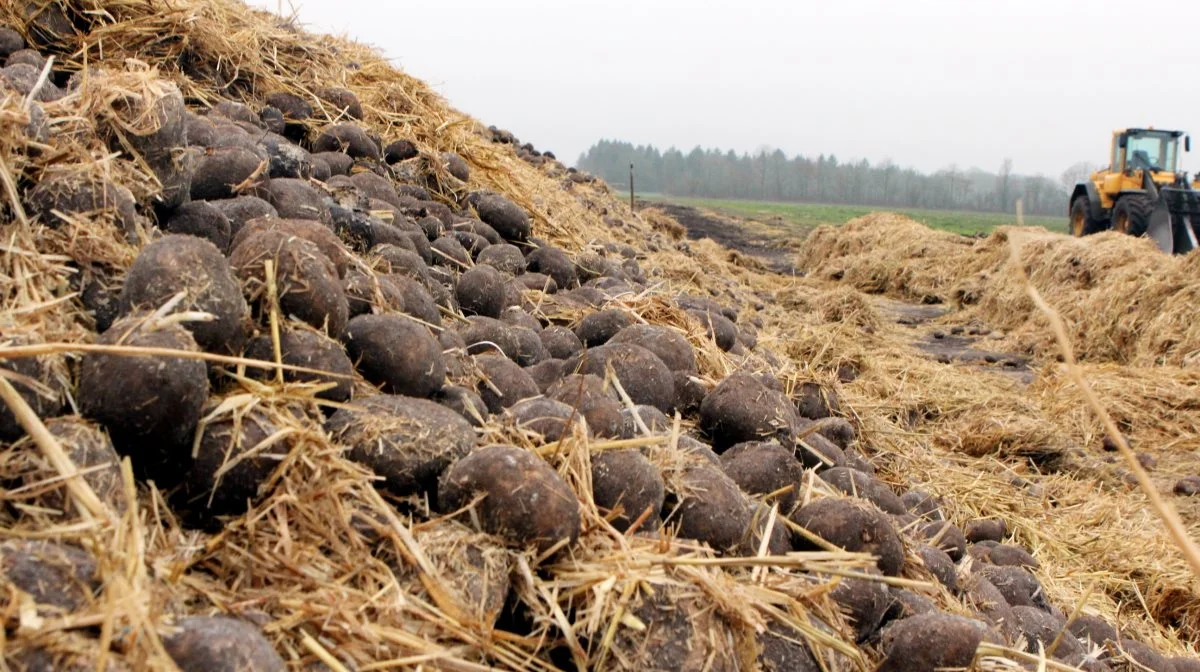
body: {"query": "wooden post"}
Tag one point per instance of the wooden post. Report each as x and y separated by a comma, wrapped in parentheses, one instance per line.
(632, 208)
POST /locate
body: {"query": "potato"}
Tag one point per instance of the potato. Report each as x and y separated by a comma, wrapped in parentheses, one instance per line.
(857, 484)
(943, 535)
(838, 431)
(689, 393)
(339, 163)
(930, 642)
(10, 42)
(1007, 554)
(397, 260)
(760, 468)
(23, 77)
(1186, 664)
(1144, 657)
(286, 159)
(296, 199)
(682, 633)
(69, 653)
(222, 171)
(504, 382)
(515, 316)
(655, 420)
(74, 195)
(1093, 629)
(642, 374)
(546, 373)
(717, 327)
(314, 232)
(816, 401)
(456, 166)
(307, 283)
(321, 172)
(508, 219)
(149, 404)
(1040, 629)
(348, 139)
(526, 502)
(816, 452)
(923, 504)
(90, 451)
(538, 281)
(417, 300)
(854, 460)
(597, 328)
(36, 379)
(740, 409)
(56, 575)
(408, 442)
(221, 644)
(480, 292)
(940, 565)
(399, 150)
(555, 263)
(529, 349)
(986, 529)
(376, 187)
(547, 417)
(1016, 584)
(782, 649)
(474, 568)
(465, 402)
(447, 251)
(625, 485)
(504, 258)
(242, 209)
(980, 594)
(560, 342)
(396, 353)
(473, 243)
(594, 400)
(906, 604)
(854, 527)
(340, 102)
(591, 266)
(311, 350)
(669, 345)
(864, 602)
(487, 335)
(368, 294)
(710, 508)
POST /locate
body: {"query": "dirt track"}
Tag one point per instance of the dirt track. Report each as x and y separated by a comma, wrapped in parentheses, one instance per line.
(774, 252)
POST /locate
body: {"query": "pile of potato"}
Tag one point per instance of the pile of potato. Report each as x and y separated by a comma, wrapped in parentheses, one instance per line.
(422, 312)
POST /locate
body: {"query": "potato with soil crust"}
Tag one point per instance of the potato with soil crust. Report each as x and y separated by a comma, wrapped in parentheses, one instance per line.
(864, 602)
(625, 481)
(783, 649)
(339, 101)
(1186, 664)
(538, 281)
(480, 291)
(504, 384)
(717, 327)
(941, 534)
(763, 467)
(506, 217)
(546, 373)
(597, 402)
(1093, 629)
(654, 420)
(314, 232)
(60, 653)
(857, 484)
(560, 342)
(339, 163)
(1003, 554)
(940, 565)
(242, 209)
(986, 529)
(708, 507)
(1041, 629)
(367, 294)
(90, 451)
(465, 402)
(906, 604)
(817, 452)
(529, 349)
(641, 373)
(296, 199)
(597, 328)
(930, 642)
(547, 417)
(1144, 657)
(504, 258)
(682, 633)
(45, 397)
(689, 392)
(418, 302)
(399, 150)
(555, 263)
(475, 568)
(741, 409)
(56, 575)
(397, 354)
(447, 251)
(310, 350)
(409, 442)
(853, 527)
(487, 335)
(669, 345)
(816, 401)
(180, 263)
(526, 502)
(839, 431)
(221, 644)
(72, 194)
(306, 280)
(980, 594)
(149, 404)
(1017, 585)
(10, 42)
(923, 504)
(348, 139)
(227, 172)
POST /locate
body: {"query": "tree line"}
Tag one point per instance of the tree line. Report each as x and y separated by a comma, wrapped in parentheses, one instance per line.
(770, 175)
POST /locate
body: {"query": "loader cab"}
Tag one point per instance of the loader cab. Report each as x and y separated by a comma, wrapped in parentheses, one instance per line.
(1147, 149)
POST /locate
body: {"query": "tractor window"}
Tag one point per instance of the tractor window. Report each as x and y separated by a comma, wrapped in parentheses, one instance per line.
(1151, 151)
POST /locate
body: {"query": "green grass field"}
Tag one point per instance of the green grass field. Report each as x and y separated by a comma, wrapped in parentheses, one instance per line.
(807, 216)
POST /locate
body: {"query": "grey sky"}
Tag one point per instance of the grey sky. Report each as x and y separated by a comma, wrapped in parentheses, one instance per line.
(926, 83)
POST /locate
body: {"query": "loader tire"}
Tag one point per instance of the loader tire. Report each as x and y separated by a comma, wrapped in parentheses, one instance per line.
(1082, 223)
(1132, 213)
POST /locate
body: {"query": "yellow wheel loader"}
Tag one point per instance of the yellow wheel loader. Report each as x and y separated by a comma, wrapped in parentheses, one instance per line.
(1142, 192)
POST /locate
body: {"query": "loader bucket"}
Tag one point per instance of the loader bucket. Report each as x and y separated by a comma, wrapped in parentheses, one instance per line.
(1173, 224)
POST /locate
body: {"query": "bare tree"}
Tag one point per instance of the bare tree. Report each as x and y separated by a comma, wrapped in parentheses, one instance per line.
(1076, 173)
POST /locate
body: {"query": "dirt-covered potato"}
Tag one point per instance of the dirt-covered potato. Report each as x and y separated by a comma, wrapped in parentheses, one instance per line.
(546, 373)
(526, 502)
(314, 232)
(1093, 629)
(376, 187)
(923, 504)
(349, 139)
(986, 529)
(480, 291)
(857, 484)
(625, 484)
(642, 374)
(447, 251)
(311, 350)
(690, 392)
(783, 649)
(488, 335)
(940, 565)
(10, 42)
(400, 150)
(228, 172)
(456, 166)
(60, 653)
(538, 281)
(942, 534)
(669, 345)
(286, 159)
(1004, 554)
(1016, 584)
(504, 258)
(1040, 629)
(296, 199)
(504, 383)
(529, 348)
(906, 604)
(465, 402)
(150, 404)
(816, 452)
(55, 575)
(708, 507)
(339, 163)
(221, 644)
(741, 409)
(547, 417)
(407, 441)
(854, 527)
(473, 243)
(337, 102)
(181, 263)
(555, 263)
(717, 327)
(397, 354)
(72, 195)
(560, 342)
(654, 420)
(242, 209)
(506, 217)
(366, 294)
(864, 602)
(815, 401)
(23, 78)
(597, 328)
(418, 302)
(90, 451)
(397, 260)
(474, 568)
(594, 400)
(306, 280)
(989, 603)
(36, 380)
(682, 633)
(763, 467)
(930, 642)
(838, 431)
(1143, 657)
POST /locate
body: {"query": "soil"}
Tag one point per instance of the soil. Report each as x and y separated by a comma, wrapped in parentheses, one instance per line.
(772, 251)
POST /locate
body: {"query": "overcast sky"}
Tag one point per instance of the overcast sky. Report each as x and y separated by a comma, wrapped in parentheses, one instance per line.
(926, 83)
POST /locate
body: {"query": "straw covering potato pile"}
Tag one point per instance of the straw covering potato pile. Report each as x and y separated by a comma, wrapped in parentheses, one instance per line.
(303, 369)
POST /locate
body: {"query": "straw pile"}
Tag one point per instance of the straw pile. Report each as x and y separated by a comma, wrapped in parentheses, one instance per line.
(313, 549)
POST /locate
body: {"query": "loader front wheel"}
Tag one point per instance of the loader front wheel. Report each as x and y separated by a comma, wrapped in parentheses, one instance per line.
(1082, 222)
(1131, 214)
